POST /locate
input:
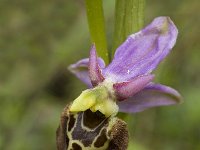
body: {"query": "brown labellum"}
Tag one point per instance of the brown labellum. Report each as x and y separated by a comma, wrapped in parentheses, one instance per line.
(90, 131)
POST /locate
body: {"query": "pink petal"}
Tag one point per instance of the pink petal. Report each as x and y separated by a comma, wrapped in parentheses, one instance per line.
(124, 90)
(95, 74)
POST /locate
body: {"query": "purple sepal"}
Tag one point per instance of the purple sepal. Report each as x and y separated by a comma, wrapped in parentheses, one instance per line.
(80, 70)
(95, 74)
(142, 52)
(124, 90)
(151, 96)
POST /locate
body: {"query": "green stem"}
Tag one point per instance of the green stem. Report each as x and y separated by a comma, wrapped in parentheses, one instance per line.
(96, 23)
(129, 18)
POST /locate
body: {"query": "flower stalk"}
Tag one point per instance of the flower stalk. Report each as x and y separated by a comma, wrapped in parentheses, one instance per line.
(96, 24)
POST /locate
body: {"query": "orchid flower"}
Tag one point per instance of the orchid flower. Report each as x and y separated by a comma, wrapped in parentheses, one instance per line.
(126, 84)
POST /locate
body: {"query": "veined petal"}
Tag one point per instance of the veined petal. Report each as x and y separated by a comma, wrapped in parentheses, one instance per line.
(142, 52)
(151, 96)
(124, 90)
(94, 68)
(80, 70)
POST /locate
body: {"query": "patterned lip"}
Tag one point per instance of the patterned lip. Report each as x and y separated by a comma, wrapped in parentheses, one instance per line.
(90, 130)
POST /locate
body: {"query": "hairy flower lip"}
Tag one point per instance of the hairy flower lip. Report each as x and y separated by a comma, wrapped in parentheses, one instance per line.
(129, 73)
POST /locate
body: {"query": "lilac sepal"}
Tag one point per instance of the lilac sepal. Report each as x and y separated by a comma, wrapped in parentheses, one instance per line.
(124, 90)
(151, 96)
(142, 52)
(95, 70)
(80, 70)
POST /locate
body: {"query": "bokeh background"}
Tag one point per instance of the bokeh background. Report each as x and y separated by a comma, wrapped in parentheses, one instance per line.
(39, 39)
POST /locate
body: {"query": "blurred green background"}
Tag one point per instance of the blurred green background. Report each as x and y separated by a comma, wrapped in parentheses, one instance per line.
(39, 39)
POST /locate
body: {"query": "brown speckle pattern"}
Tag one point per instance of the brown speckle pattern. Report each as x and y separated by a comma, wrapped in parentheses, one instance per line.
(71, 122)
(101, 140)
(91, 119)
(76, 146)
(87, 136)
(91, 131)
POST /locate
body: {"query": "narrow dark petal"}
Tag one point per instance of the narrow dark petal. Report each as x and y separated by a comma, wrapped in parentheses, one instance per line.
(124, 90)
(95, 74)
(142, 52)
(151, 96)
(80, 70)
